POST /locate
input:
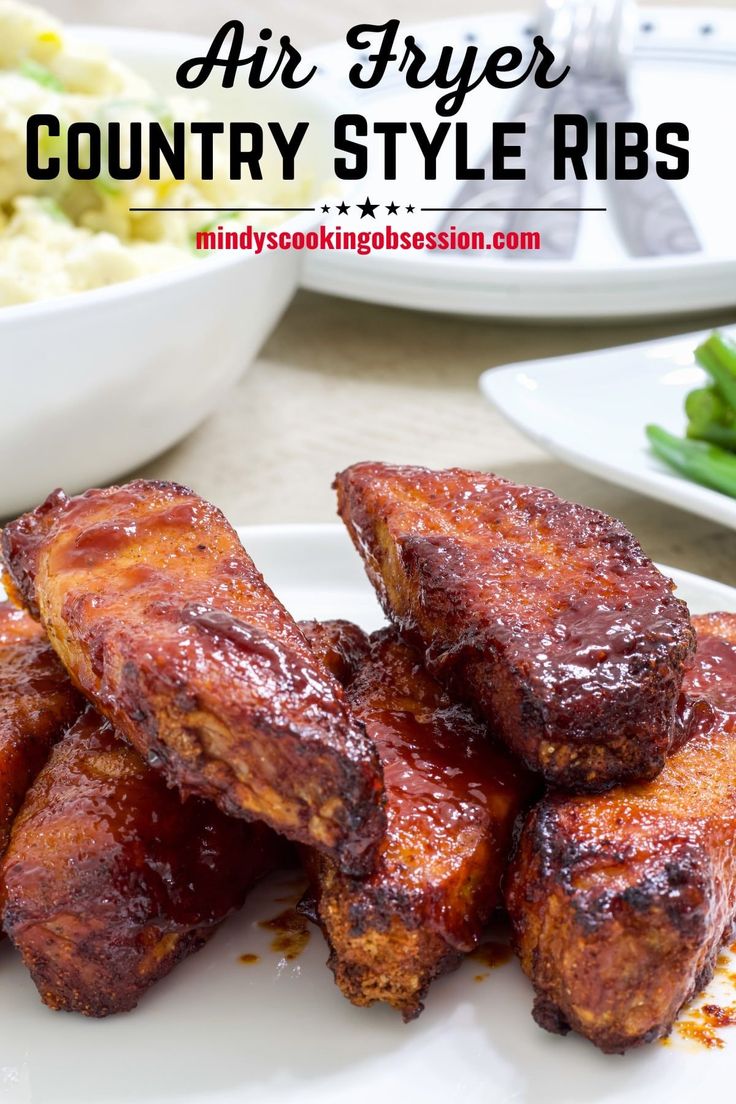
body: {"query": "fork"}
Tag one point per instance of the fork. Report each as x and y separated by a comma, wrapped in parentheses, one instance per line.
(559, 222)
(649, 217)
(559, 25)
(595, 38)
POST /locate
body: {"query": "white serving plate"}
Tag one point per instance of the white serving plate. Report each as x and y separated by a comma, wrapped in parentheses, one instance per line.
(684, 67)
(97, 383)
(279, 1032)
(591, 410)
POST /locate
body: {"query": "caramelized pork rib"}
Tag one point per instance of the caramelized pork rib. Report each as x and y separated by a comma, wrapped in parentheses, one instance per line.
(341, 647)
(164, 622)
(37, 704)
(546, 617)
(110, 879)
(452, 800)
(620, 902)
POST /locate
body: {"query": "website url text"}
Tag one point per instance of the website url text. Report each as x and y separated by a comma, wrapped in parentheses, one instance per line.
(365, 242)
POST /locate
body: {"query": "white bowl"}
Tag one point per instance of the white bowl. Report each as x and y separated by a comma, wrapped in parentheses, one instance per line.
(97, 383)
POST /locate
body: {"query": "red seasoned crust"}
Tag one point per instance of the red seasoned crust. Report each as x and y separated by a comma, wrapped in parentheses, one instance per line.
(37, 704)
(162, 619)
(621, 902)
(452, 799)
(110, 879)
(545, 616)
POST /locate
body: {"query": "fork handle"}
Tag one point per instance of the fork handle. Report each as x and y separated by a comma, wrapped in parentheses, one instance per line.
(558, 228)
(556, 217)
(649, 217)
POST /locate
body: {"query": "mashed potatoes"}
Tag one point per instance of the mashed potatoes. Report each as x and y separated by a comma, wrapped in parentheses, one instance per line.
(62, 236)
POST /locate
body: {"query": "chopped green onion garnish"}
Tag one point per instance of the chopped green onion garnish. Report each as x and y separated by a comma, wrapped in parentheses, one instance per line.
(41, 75)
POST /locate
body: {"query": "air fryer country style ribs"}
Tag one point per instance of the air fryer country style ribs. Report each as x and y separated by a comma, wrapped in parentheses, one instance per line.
(163, 621)
(452, 799)
(527, 632)
(620, 902)
(545, 616)
(37, 703)
(110, 879)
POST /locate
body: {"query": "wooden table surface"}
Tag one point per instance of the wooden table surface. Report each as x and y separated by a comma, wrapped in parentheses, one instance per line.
(339, 381)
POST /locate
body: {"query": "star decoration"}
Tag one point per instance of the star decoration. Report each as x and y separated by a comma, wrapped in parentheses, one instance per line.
(367, 208)
(326, 209)
(343, 208)
(392, 208)
(410, 209)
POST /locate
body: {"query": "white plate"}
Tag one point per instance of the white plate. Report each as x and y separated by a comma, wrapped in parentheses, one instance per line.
(218, 1032)
(684, 65)
(591, 410)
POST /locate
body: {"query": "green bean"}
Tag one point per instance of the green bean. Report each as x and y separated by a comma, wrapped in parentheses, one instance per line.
(705, 463)
(705, 405)
(714, 432)
(718, 357)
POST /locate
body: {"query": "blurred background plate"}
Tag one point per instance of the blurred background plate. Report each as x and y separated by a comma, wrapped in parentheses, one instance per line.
(591, 410)
(684, 69)
(279, 1032)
